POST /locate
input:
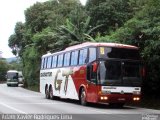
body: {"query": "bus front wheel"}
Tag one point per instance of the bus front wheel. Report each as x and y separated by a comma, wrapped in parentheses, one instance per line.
(83, 97)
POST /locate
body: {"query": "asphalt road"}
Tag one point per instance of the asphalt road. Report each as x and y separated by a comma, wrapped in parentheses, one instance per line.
(19, 101)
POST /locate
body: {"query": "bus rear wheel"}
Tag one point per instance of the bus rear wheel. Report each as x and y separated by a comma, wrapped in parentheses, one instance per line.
(47, 93)
(83, 97)
(51, 92)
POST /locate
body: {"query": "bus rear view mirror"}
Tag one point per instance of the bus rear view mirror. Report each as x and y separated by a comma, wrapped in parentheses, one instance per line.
(94, 66)
(143, 72)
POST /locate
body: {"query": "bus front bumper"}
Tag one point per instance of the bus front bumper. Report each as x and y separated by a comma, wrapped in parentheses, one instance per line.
(119, 98)
(12, 83)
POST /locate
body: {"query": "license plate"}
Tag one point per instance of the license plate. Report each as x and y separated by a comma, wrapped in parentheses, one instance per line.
(121, 99)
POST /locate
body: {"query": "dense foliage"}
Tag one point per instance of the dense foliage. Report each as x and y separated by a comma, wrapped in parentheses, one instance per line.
(55, 25)
(3, 69)
(6, 65)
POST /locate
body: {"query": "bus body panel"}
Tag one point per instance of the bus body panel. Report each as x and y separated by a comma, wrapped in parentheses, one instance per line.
(61, 81)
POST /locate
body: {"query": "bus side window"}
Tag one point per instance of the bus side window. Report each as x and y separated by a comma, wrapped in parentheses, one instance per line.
(92, 54)
(42, 63)
(54, 61)
(60, 60)
(83, 56)
(49, 62)
(46, 60)
(53, 57)
(67, 59)
(74, 58)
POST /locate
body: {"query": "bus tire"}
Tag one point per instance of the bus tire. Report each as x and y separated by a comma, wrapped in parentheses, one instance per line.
(47, 93)
(51, 92)
(83, 97)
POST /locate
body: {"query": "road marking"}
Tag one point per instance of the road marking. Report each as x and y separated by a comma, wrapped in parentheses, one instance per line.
(34, 103)
(26, 96)
(13, 108)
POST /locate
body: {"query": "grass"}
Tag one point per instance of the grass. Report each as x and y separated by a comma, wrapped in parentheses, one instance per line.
(33, 88)
(2, 81)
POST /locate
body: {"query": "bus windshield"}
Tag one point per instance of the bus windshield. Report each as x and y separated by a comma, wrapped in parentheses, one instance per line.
(119, 53)
(12, 75)
(112, 72)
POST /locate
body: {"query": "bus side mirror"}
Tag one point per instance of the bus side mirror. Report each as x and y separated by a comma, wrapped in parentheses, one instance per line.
(94, 67)
(20, 76)
(143, 72)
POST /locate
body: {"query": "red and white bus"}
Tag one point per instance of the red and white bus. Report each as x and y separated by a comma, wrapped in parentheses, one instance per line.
(93, 72)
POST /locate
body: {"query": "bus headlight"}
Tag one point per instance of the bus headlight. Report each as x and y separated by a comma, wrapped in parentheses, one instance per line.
(101, 98)
(136, 98)
(104, 98)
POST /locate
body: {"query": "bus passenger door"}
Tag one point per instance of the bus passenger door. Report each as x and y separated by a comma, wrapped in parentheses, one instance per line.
(91, 83)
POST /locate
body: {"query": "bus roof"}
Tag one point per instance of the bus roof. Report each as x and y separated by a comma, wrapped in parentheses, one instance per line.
(12, 71)
(101, 44)
(86, 44)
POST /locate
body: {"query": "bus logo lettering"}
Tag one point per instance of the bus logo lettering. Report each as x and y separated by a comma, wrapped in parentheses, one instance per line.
(57, 82)
(46, 74)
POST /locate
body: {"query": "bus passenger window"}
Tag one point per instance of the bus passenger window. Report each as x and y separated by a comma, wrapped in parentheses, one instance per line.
(46, 60)
(54, 61)
(82, 56)
(60, 60)
(49, 62)
(92, 54)
(67, 59)
(42, 63)
(74, 58)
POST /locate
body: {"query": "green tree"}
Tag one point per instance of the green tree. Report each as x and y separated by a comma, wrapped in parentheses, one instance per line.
(15, 65)
(16, 40)
(3, 69)
(112, 13)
